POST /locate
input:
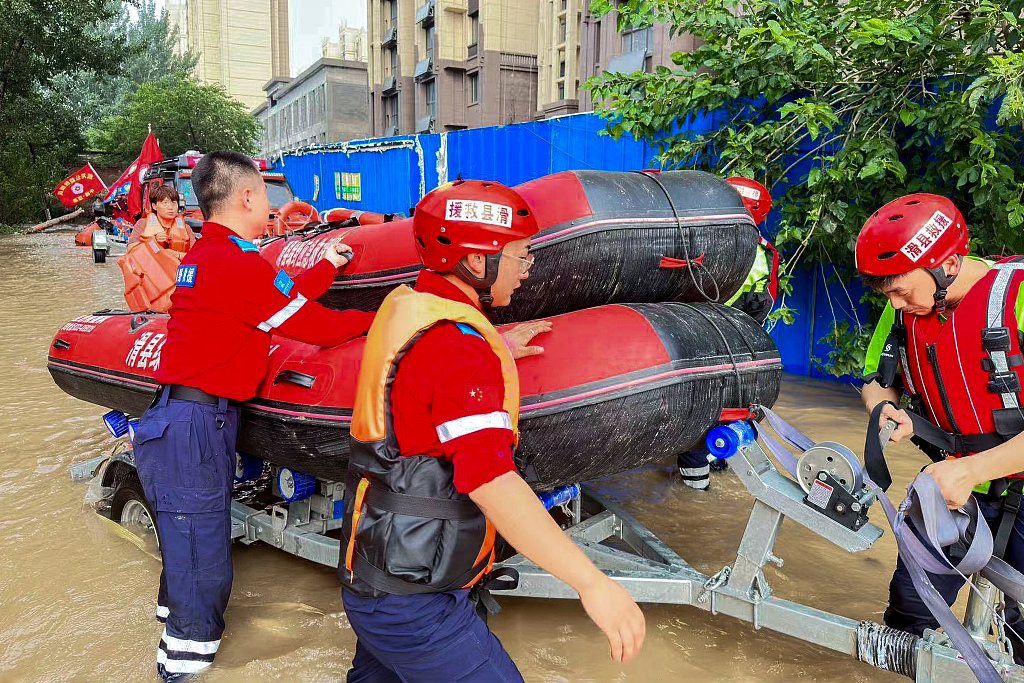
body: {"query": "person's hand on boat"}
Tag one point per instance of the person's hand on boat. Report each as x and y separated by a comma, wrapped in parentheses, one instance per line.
(339, 255)
(519, 337)
(956, 479)
(611, 607)
(904, 427)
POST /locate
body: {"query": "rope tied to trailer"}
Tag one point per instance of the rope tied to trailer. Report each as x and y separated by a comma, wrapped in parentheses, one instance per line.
(950, 542)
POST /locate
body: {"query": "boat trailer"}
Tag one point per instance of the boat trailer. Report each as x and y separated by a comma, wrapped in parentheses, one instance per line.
(654, 573)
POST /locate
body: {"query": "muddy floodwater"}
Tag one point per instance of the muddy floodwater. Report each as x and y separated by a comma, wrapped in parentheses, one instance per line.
(77, 600)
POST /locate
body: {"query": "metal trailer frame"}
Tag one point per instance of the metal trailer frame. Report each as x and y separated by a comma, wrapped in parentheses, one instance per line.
(654, 573)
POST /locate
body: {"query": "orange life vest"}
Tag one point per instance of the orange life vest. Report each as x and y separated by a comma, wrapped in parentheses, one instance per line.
(406, 528)
(178, 237)
(149, 273)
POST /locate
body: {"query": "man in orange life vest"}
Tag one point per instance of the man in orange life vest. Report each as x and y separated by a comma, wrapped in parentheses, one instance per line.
(163, 224)
(950, 338)
(432, 478)
(227, 302)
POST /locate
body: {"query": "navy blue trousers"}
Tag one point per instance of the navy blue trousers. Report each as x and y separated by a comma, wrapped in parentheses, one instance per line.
(906, 610)
(430, 638)
(185, 455)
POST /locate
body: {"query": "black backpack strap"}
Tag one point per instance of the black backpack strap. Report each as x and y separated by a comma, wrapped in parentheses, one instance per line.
(1008, 516)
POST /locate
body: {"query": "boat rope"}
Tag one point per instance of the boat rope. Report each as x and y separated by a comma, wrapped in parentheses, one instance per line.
(684, 239)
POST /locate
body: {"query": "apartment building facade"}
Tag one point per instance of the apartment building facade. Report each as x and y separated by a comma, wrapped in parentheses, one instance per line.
(350, 45)
(441, 65)
(644, 48)
(573, 45)
(328, 102)
(241, 44)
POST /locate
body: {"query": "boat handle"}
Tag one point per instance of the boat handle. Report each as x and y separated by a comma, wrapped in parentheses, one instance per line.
(295, 377)
(61, 344)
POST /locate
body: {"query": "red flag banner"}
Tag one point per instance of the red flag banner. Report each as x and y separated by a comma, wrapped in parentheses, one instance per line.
(79, 186)
(130, 182)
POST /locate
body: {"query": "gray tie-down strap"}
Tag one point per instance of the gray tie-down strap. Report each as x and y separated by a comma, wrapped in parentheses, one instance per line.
(965, 530)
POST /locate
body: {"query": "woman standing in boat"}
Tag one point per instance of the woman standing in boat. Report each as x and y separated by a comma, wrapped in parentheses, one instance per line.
(163, 224)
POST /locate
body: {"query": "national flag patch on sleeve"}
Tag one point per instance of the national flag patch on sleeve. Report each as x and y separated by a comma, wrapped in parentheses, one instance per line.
(482, 396)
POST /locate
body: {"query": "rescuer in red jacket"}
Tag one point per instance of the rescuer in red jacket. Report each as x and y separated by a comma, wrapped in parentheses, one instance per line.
(432, 478)
(949, 338)
(227, 302)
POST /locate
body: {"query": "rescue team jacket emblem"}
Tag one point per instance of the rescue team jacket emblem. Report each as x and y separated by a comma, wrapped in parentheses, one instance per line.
(406, 529)
(177, 235)
(941, 362)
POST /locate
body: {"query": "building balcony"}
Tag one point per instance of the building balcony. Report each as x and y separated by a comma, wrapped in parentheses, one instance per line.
(510, 60)
(424, 68)
(390, 85)
(390, 38)
(425, 124)
(425, 14)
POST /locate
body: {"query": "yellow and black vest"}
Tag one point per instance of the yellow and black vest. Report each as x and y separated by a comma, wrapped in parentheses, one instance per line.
(406, 529)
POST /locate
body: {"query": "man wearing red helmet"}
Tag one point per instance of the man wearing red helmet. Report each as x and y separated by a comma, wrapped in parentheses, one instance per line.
(432, 478)
(755, 298)
(950, 338)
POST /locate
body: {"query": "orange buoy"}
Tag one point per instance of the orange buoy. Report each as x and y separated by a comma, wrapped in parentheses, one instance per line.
(84, 238)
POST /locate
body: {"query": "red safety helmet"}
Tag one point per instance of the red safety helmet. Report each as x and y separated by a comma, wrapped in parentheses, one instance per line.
(470, 217)
(756, 197)
(915, 231)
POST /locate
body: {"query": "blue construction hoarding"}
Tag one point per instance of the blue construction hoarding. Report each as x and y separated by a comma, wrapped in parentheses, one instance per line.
(390, 175)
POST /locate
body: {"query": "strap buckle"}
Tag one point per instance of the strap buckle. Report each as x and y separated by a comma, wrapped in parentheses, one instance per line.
(995, 339)
(1004, 382)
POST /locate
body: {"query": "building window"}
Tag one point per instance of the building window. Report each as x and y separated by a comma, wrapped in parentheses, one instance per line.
(394, 14)
(323, 101)
(430, 97)
(561, 90)
(637, 39)
(561, 30)
(561, 68)
(474, 88)
(563, 5)
(430, 42)
(474, 29)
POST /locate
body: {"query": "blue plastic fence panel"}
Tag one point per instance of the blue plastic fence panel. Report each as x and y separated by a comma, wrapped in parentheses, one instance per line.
(819, 301)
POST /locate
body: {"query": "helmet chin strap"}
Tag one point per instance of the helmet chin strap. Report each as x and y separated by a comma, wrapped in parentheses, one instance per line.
(943, 281)
(482, 285)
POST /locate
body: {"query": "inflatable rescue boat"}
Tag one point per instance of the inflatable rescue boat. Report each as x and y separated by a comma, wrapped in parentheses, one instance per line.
(606, 237)
(617, 387)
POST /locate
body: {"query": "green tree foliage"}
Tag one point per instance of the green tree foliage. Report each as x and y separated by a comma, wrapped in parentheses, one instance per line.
(39, 132)
(839, 108)
(185, 114)
(149, 55)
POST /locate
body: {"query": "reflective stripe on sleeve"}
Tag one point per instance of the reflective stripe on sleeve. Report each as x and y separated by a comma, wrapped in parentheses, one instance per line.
(281, 316)
(462, 426)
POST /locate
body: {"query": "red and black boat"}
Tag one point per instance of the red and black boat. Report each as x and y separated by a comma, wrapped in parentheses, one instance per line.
(606, 237)
(618, 386)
